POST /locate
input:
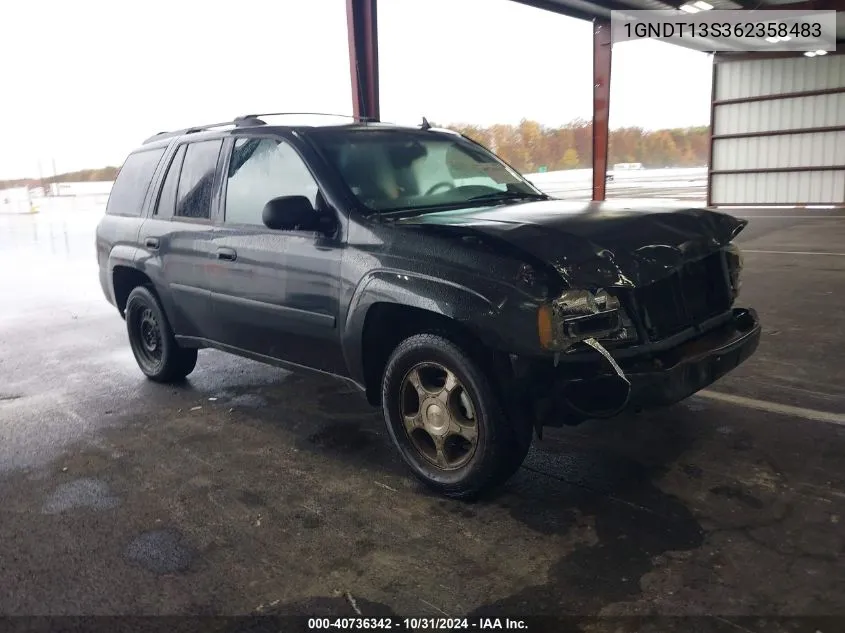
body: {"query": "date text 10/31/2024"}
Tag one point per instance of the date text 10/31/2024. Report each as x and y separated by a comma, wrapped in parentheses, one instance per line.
(416, 624)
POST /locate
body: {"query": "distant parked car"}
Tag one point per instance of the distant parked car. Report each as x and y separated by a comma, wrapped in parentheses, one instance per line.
(420, 268)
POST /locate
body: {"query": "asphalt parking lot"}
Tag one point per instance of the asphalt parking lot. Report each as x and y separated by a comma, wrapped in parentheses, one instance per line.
(253, 490)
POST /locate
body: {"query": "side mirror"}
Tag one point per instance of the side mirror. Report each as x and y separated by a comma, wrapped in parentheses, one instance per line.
(291, 213)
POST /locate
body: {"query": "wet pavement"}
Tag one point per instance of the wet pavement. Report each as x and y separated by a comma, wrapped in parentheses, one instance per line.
(249, 489)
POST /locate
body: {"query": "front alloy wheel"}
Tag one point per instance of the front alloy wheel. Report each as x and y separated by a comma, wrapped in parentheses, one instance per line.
(439, 416)
(447, 419)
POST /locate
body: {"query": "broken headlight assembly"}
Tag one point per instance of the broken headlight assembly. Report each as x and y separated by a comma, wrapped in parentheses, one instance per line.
(733, 256)
(578, 315)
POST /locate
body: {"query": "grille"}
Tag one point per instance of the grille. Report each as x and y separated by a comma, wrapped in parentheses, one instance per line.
(698, 291)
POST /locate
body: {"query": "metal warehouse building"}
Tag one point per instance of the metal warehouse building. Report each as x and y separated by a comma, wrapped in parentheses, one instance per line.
(777, 119)
(778, 130)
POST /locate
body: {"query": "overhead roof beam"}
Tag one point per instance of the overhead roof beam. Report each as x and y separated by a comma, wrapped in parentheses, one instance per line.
(805, 5)
(667, 4)
(750, 5)
(600, 9)
(561, 9)
(592, 9)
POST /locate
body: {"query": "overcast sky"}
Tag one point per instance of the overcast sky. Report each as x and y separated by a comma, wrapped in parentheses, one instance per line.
(85, 81)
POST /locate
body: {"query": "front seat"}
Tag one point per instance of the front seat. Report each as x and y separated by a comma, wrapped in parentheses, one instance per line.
(369, 176)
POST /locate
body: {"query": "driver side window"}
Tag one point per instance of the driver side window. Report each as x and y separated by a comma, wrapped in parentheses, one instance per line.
(261, 169)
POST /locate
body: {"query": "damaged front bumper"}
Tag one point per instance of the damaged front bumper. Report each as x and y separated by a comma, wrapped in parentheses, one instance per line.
(569, 394)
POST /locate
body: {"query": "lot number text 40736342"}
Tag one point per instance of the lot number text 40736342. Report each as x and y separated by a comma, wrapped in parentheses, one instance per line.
(417, 624)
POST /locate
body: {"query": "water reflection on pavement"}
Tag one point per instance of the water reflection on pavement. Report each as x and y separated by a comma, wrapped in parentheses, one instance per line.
(37, 249)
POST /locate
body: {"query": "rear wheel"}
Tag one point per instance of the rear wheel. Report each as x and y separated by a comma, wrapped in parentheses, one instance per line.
(156, 351)
(447, 420)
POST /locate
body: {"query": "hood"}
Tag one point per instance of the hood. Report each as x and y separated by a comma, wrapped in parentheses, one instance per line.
(607, 244)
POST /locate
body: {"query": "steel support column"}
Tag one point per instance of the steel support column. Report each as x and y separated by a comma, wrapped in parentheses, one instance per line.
(711, 133)
(601, 104)
(362, 26)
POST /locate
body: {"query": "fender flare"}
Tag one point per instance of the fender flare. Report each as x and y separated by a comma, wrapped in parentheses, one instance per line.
(120, 255)
(415, 290)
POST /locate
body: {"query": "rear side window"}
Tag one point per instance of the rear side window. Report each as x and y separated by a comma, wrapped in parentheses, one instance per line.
(193, 199)
(167, 197)
(133, 180)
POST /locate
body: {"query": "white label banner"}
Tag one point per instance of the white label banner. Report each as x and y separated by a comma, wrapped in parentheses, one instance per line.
(759, 31)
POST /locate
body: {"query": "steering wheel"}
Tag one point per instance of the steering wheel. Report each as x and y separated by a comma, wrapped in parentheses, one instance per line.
(445, 185)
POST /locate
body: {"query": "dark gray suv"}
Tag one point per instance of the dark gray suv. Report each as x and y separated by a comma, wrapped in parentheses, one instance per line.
(419, 267)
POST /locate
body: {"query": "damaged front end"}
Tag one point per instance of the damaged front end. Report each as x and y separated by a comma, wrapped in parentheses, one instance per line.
(573, 392)
(580, 316)
(618, 349)
(637, 303)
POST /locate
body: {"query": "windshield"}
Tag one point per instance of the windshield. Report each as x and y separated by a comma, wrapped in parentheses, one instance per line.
(407, 170)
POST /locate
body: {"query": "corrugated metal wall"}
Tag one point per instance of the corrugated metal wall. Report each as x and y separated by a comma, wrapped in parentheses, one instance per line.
(778, 131)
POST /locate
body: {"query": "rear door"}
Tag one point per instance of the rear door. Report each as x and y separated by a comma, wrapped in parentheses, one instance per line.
(275, 293)
(178, 236)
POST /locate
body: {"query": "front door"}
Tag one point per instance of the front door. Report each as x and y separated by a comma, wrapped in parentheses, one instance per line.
(275, 292)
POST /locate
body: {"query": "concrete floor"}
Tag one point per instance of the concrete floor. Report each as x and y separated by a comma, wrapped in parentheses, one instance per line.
(253, 490)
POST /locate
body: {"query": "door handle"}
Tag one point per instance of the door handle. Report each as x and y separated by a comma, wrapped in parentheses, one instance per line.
(227, 254)
(152, 243)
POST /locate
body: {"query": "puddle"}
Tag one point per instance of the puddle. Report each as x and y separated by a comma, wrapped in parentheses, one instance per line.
(81, 493)
(160, 551)
(249, 400)
(634, 522)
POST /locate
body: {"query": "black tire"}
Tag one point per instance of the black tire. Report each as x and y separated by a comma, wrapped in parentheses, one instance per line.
(501, 444)
(156, 351)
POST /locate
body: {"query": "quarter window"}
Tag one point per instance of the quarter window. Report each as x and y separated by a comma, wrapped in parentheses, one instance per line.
(262, 169)
(130, 187)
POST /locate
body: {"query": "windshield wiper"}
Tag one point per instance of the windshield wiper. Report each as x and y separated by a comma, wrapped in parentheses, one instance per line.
(510, 195)
(395, 214)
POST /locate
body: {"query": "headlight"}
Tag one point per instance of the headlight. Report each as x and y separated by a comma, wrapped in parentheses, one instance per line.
(578, 315)
(735, 262)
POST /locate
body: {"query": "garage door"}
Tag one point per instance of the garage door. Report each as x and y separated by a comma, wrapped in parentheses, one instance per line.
(778, 129)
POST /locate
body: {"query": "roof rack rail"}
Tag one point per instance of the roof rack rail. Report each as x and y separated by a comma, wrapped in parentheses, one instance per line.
(240, 121)
(342, 116)
(246, 120)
